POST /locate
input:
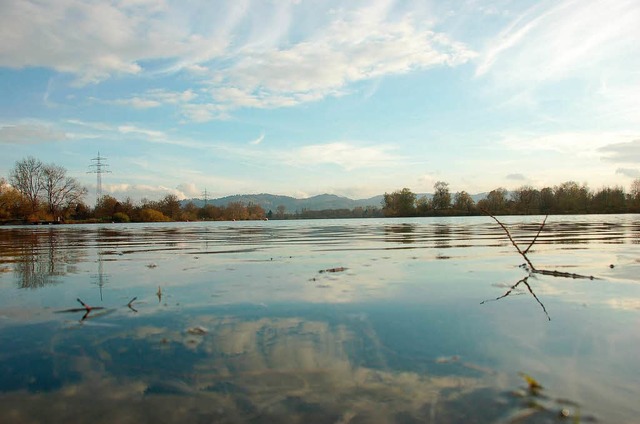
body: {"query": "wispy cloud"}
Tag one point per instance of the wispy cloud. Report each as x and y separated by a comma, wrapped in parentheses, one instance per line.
(629, 172)
(257, 140)
(156, 98)
(348, 156)
(627, 152)
(30, 133)
(590, 144)
(554, 40)
(265, 67)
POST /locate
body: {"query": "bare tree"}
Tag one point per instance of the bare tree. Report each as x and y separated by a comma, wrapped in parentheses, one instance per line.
(60, 190)
(441, 199)
(26, 177)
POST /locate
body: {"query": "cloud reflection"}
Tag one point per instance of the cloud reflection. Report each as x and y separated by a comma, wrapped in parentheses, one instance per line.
(283, 369)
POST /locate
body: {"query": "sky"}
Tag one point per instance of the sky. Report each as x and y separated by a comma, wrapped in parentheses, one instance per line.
(304, 97)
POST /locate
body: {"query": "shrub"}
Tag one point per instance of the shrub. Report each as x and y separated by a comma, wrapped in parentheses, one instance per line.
(121, 217)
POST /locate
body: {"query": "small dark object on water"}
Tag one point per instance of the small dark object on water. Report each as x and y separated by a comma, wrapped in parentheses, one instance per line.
(130, 304)
(197, 330)
(339, 269)
(612, 266)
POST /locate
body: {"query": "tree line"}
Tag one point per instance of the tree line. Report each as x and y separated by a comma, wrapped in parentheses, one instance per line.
(39, 192)
(36, 192)
(566, 198)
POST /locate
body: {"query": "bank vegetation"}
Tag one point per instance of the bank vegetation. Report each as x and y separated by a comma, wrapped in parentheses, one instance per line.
(36, 192)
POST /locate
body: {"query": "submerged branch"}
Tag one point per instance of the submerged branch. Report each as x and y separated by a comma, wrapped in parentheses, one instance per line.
(130, 304)
(513, 242)
(537, 235)
(563, 274)
(531, 269)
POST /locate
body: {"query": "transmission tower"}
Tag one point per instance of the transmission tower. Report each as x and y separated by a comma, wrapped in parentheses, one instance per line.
(204, 195)
(99, 168)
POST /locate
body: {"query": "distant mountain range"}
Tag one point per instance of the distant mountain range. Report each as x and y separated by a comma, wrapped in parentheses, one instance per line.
(316, 203)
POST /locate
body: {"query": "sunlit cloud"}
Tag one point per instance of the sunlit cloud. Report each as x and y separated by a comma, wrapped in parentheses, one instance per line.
(140, 191)
(554, 42)
(99, 41)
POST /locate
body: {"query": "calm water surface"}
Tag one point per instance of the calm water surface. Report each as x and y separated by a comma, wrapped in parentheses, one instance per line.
(345, 321)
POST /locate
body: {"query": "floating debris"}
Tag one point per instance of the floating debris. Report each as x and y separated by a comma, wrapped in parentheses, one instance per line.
(197, 330)
(130, 304)
(447, 359)
(534, 386)
(338, 269)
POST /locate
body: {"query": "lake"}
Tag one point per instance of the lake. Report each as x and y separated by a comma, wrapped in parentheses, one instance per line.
(429, 320)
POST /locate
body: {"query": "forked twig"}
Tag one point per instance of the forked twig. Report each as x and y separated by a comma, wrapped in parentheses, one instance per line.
(536, 298)
(536, 237)
(532, 269)
(513, 242)
(515, 286)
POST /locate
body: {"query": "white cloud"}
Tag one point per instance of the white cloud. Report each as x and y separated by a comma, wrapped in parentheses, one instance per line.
(30, 133)
(97, 40)
(155, 98)
(257, 140)
(345, 155)
(204, 112)
(267, 64)
(625, 152)
(516, 177)
(585, 144)
(138, 103)
(352, 48)
(141, 191)
(98, 126)
(189, 190)
(629, 172)
(131, 129)
(554, 40)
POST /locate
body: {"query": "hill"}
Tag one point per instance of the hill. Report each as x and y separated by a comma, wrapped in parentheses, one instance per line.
(316, 203)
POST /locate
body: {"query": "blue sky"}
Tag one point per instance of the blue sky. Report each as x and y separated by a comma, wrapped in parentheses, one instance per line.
(304, 97)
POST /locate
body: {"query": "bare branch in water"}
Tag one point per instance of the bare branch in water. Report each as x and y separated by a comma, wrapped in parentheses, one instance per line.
(564, 274)
(515, 286)
(536, 297)
(506, 230)
(536, 237)
(531, 269)
(130, 304)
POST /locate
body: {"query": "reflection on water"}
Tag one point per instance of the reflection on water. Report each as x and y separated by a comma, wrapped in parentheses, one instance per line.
(39, 258)
(320, 321)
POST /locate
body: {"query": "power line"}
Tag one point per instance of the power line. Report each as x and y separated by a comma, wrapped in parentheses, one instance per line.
(98, 168)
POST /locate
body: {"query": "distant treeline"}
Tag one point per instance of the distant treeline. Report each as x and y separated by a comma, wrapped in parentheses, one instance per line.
(37, 192)
(566, 198)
